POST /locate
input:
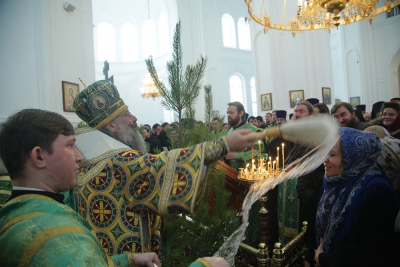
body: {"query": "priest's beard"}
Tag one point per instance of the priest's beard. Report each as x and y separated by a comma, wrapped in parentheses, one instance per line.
(130, 136)
(234, 121)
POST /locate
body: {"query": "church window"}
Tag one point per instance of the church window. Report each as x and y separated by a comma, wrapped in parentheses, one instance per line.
(228, 31)
(149, 39)
(244, 34)
(236, 89)
(163, 29)
(129, 42)
(106, 42)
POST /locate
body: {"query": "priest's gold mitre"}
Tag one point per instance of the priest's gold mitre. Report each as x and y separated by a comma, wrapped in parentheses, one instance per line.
(99, 103)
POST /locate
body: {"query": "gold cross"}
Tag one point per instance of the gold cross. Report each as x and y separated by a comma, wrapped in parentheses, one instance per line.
(140, 186)
(131, 250)
(98, 178)
(177, 184)
(101, 211)
(134, 216)
(291, 197)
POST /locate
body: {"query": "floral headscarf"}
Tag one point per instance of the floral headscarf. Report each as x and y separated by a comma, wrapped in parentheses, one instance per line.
(343, 194)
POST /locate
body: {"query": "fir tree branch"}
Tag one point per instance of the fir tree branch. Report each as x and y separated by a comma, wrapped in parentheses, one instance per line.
(208, 100)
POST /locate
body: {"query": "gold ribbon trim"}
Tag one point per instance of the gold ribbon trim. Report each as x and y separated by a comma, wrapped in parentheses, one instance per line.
(204, 262)
(19, 219)
(36, 244)
(169, 176)
(109, 261)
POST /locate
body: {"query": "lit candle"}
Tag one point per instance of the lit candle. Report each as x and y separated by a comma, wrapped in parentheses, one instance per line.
(277, 163)
(277, 155)
(283, 155)
(259, 146)
(252, 152)
(273, 167)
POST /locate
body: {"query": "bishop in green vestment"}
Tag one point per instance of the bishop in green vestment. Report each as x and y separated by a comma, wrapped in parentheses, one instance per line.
(36, 228)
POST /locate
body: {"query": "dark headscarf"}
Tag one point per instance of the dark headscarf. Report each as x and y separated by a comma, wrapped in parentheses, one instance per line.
(346, 193)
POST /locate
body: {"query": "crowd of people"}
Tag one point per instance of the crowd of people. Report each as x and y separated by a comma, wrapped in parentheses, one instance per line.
(94, 197)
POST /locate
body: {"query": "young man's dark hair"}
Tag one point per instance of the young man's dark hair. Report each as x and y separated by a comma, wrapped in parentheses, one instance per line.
(147, 126)
(251, 118)
(239, 108)
(164, 124)
(25, 130)
(323, 108)
(308, 105)
(155, 126)
(259, 118)
(342, 104)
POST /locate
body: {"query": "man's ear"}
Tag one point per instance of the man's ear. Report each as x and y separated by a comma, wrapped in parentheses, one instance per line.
(112, 126)
(37, 157)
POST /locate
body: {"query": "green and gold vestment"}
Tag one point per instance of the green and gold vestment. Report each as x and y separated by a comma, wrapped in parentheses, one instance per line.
(118, 186)
(36, 230)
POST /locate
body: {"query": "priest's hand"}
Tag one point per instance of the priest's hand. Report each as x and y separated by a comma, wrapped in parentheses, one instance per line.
(146, 259)
(217, 261)
(231, 155)
(240, 139)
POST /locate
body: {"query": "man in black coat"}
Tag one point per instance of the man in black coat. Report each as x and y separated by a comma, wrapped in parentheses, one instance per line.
(152, 141)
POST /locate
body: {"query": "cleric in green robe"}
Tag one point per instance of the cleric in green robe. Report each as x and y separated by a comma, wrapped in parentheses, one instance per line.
(36, 228)
(237, 120)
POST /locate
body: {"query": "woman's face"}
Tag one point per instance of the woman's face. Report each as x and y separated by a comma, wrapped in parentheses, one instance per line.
(388, 116)
(333, 164)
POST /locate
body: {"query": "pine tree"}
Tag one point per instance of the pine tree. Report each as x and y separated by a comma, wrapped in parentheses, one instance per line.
(184, 87)
(209, 104)
(186, 239)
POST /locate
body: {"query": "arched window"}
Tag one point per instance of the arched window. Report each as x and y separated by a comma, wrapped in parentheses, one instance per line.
(228, 31)
(106, 42)
(236, 89)
(253, 96)
(163, 29)
(149, 39)
(129, 42)
(244, 35)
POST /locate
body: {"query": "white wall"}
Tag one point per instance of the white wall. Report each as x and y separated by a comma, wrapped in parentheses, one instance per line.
(366, 60)
(41, 46)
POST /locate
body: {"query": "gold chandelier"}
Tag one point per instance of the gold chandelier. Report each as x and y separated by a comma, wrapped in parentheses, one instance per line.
(322, 14)
(149, 89)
